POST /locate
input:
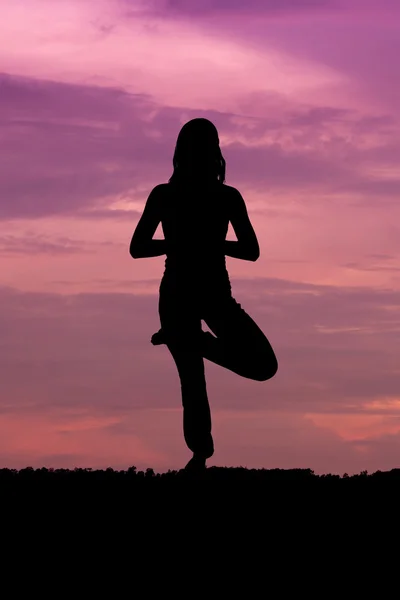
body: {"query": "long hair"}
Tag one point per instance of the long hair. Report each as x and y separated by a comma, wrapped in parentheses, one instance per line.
(197, 151)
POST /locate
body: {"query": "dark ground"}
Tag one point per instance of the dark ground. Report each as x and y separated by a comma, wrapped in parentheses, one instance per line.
(217, 489)
(291, 523)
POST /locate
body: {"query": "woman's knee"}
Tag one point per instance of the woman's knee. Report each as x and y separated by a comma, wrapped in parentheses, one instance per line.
(266, 369)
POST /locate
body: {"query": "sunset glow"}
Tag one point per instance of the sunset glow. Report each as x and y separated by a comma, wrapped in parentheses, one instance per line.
(306, 99)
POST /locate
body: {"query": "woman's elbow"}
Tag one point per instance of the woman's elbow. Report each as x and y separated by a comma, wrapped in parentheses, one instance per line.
(133, 251)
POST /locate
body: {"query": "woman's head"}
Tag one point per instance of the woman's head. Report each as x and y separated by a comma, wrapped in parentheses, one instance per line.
(197, 153)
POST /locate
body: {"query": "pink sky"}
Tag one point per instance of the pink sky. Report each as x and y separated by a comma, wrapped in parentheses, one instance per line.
(306, 98)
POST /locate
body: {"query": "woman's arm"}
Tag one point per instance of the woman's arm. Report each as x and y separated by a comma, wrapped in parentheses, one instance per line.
(246, 247)
(142, 244)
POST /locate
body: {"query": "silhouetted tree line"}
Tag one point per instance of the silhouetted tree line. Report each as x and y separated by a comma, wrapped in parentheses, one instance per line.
(225, 477)
(235, 510)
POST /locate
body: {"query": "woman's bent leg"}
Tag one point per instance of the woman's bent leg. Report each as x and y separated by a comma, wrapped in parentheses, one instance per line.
(240, 345)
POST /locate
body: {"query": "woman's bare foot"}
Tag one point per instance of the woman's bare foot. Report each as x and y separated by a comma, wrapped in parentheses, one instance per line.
(197, 464)
(158, 338)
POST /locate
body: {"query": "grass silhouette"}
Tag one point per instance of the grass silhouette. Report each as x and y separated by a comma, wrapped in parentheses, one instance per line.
(152, 518)
(239, 481)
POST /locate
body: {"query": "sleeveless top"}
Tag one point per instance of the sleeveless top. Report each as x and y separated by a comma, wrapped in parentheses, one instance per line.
(195, 223)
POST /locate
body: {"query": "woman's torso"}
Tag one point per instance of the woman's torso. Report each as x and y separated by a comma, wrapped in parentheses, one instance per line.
(195, 223)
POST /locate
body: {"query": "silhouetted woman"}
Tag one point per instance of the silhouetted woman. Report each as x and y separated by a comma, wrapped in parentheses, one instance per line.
(195, 208)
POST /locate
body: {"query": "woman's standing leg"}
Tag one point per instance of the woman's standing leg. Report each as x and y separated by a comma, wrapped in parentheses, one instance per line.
(181, 325)
(240, 345)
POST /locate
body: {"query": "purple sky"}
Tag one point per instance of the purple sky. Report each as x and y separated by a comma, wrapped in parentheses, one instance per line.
(306, 98)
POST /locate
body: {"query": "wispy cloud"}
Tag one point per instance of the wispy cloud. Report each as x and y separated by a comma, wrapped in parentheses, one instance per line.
(106, 381)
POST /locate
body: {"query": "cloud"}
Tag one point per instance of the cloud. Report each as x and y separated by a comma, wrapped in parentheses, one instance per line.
(199, 7)
(305, 98)
(41, 244)
(83, 364)
(70, 148)
(335, 342)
